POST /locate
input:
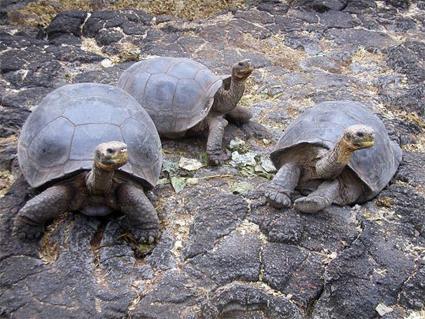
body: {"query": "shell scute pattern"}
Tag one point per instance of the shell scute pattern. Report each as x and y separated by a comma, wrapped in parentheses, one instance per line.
(324, 125)
(60, 136)
(176, 92)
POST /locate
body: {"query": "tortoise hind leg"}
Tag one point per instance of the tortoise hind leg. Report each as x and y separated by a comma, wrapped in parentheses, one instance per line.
(142, 219)
(318, 200)
(341, 191)
(278, 192)
(30, 220)
(239, 115)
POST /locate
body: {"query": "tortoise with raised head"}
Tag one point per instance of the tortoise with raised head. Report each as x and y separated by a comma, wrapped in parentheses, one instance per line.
(337, 152)
(92, 148)
(181, 94)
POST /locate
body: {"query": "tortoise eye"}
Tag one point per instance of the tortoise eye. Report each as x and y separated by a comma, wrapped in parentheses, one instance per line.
(360, 134)
(240, 63)
(109, 150)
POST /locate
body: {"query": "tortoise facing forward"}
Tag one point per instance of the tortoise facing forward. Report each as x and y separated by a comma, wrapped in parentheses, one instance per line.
(94, 149)
(338, 152)
(181, 94)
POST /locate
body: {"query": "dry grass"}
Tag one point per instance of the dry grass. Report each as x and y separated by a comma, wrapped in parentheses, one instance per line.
(49, 250)
(363, 56)
(6, 177)
(419, 146)
(417, 315)
(369, 67)
(251, 95)
(6, 180)
(41, 12)
(90, 45)
(127, 51)
(412, 118)
(385, 201)
(274, 49)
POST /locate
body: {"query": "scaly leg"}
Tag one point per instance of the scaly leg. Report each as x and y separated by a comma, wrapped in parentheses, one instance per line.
(321, 198)
(278, 192)
(216, 126)
(239, 115)
(142, 219)
(30, 220)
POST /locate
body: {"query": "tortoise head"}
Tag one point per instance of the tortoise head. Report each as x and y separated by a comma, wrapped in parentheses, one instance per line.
(111, 155)
(242, 69)
(359, 136)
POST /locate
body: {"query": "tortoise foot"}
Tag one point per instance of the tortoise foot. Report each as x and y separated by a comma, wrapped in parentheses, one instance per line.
(148, 236)
(217, 158)
(311, 204)
(26, 231)
(256, 130)
(276, 198)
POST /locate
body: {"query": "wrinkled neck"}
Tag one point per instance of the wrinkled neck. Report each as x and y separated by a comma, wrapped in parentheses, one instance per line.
(237, 87)
(99, 180)
(334, 161)
(226, 100)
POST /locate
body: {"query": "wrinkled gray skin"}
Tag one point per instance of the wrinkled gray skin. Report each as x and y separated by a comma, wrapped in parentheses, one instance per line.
(56, 147)
(330, 174)
(95, 193)
(317, 164)
(225, 103)
(183, 97)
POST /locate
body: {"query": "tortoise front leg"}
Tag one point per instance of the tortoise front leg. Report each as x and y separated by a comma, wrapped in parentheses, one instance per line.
(278, 192)
(216, 126)
(239, 115)
(30, 220)
(142, 219)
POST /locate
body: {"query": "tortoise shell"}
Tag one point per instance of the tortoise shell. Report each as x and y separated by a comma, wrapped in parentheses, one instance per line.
(60, 136)
(176, 92)
(323, 125)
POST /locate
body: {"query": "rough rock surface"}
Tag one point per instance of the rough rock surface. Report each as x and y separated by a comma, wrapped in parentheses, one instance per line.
(223, 252)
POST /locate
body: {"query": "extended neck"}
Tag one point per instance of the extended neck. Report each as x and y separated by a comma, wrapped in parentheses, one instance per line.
(237, 86)
(334, 161)
(99, 180)
(226, 100)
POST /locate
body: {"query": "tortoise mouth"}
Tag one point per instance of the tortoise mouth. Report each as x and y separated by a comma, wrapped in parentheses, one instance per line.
(119, 158)
(242, 69)
(243, 74)
(113, 161)
(365, 144)
(361, 143)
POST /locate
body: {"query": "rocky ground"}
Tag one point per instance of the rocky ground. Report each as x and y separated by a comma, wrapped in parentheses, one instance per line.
(223, 252)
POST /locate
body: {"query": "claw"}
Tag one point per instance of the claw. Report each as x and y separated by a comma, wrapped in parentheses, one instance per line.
(28, 232)
(311, 204)
(276, 198)
(148, 236)
(151, 239)
(217, 158)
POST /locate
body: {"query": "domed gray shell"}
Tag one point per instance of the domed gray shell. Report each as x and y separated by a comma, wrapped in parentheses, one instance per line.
(324, 124)
(176, 92)
(60, 136)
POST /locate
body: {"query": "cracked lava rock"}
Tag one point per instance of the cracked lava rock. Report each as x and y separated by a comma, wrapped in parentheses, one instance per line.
(226, 253)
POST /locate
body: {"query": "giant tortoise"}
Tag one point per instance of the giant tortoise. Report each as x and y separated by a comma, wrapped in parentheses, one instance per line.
(338, 152)
(181, 94)
(92, 148)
